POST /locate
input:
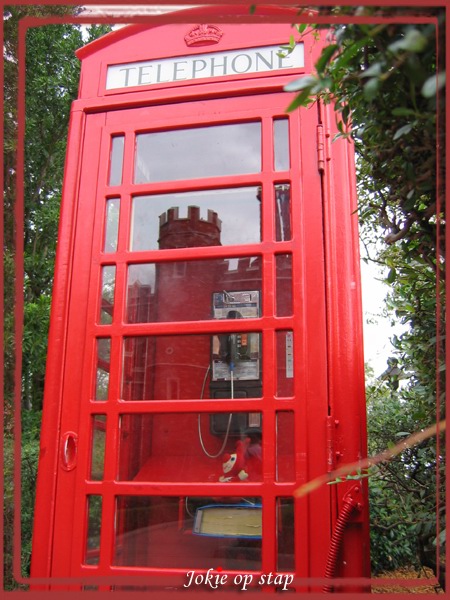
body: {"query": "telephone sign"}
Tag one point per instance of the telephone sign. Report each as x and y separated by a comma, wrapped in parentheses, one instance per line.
(200, 66)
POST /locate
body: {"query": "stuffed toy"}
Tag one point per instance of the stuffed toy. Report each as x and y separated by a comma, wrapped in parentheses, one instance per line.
(234, 465)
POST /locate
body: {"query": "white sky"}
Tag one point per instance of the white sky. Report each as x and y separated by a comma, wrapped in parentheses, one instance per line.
(377, 329)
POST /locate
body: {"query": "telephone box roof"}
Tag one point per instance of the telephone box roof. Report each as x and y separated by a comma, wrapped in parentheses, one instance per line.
(218, 14)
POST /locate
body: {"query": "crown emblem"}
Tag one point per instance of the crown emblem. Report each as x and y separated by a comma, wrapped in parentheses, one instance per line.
(201, 35)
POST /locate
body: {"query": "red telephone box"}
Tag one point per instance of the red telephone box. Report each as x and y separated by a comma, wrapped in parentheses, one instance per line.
(205, 352)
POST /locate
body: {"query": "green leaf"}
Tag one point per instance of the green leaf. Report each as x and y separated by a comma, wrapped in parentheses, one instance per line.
(402, 111)
(413, 41)
(300, 84)
(371, 88)
(327, 53)
(373, 71)
(433, 84)
(350, 52)
(301, 28)
(391, 276)
(337, 480)
(303, 99)
(402, 131)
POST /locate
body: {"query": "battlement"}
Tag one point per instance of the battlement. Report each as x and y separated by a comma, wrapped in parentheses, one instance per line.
(193, 215)
(179, 232)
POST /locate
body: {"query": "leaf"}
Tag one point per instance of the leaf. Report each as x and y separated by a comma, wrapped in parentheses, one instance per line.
(433, 84)
(402, 111)
(337, 480)
(371, 88)
(301, 28)
(303, 99)
(391, 276)
(327, 53)
(373, 71)
(350, 52)
(300, 84)
(402, 131)
(413, 41)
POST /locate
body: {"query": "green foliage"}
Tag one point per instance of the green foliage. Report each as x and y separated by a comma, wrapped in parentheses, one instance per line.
(51, 87)
(403, 490)
(52, 74)
(31, 423)
(382, 79)
(385, 80)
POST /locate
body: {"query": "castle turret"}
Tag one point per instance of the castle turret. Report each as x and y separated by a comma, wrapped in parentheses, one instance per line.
(175, 232)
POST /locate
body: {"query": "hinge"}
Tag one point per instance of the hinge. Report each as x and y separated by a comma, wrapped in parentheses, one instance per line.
(332, 453)
(322, 154)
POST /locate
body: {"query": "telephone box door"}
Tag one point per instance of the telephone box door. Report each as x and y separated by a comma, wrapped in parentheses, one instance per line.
(195, 389)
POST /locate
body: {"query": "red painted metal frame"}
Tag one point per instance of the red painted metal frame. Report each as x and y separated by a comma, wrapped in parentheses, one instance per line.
(329, 378)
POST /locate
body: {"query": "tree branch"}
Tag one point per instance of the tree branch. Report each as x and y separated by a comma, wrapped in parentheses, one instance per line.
(360, 465)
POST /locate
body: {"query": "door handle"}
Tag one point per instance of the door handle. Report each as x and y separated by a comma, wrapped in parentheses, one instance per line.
(69, 443)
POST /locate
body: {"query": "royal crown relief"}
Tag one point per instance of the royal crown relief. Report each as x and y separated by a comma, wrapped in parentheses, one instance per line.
(202, 35)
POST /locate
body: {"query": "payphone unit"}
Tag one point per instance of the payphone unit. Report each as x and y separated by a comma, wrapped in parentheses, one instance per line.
(236, 361)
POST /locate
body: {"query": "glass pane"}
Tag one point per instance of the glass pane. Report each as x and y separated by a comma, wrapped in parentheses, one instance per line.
(111, 224)
(285, 363)
(107, 302)
(213, 151)
(285, 446)
(283, 265)
(98, 447)
(192, 367)
(116, 163)
(189, 291)
(190, 219)
(282, 212)
(92, 554)
(281, 144)
(285, 534)
(188, 532)
(200, 447)
(103, 366)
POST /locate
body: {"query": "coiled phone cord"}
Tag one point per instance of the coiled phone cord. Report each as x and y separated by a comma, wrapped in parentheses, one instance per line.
(200, 436)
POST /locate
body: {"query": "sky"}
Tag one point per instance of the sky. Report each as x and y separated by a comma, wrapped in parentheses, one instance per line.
(377, 328)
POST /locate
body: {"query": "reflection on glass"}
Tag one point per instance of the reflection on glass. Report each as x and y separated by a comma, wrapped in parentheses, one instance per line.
(98, 447)
(107, 301)
(283, 268)
(111, 224)
(281, 144)
(185, 291)
(285, 363)
(285, 534)
(213, 151)
(188, 532)
(103, 366)
(285, 446)
(282, 212)
(185, 447)
(171, 367)
(190, 219)
(116, 163)
(94, 517)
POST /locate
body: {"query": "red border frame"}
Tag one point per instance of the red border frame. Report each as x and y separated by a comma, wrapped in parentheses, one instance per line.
(19, 205)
